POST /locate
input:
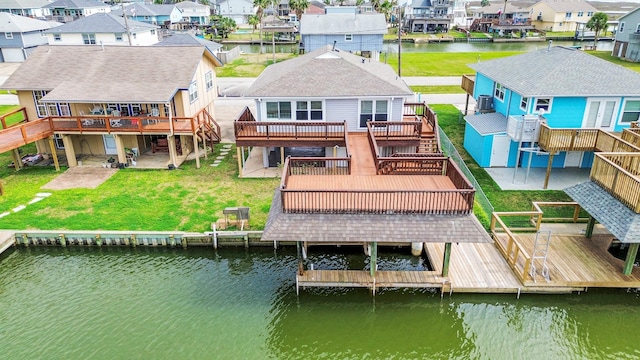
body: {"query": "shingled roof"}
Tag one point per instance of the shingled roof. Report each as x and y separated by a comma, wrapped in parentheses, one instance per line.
(101, 23)
(330, 74)
(21, 24)
(329, 24)
(131, 74)
(560, 71)
(623, 223)
(389, 228)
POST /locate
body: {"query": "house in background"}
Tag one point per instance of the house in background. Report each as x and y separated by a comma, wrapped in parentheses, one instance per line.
(547, 108)
(627, 40)
(494, 19)
(426, 16)
(194, 13)
(103, 29)
(162, 15)
(238, 10)
(20, 36)
(560, 15)
(116, 101)
(357, 33)
(70, 10)
(28, 8)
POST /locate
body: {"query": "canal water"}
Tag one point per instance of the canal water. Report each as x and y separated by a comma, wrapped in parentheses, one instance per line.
(443, 47)
(108, 303)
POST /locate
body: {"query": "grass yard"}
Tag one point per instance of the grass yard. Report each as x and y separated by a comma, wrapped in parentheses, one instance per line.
(11, 119)
(187, 199)
(250, 65)
(438, 89)
(502, 200)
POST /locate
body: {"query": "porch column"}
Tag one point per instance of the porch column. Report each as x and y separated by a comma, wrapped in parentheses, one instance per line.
(590, 224)
(546, 177)
(446, 258)
(17, 160)
(54, 153)
(374, 258)
(122, 156)
(69, 151)
(196, 152)
(631, 258)
(171, 140)
(300, 263)
(466, 105)
(282, 155)
(240, 164)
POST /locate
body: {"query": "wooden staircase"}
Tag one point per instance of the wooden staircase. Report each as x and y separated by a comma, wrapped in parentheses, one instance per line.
(429, 142)
(209, 131)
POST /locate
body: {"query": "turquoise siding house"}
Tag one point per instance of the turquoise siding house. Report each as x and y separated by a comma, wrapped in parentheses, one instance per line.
(156, 14)
(561, 87)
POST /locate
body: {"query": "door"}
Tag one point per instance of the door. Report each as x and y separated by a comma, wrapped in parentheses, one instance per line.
(500, 151)
(573, 159)
(601, 114)
(109, 145)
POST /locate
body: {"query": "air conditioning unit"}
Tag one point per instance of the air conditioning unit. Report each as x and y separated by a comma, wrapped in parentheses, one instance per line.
(485, 104)
(524, 128)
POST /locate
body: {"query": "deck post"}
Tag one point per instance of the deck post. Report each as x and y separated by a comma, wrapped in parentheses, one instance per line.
(17, 160)
(590, 224)
(445, 261)
(631, 258)
(466, 105)
(282, 155)
(240, 164)
(546, 176)
(374, 259)
(300, 264)
(195, 150)
(54, 153)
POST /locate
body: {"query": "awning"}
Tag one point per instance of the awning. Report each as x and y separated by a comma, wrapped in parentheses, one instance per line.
(487, 124)
(621, 221)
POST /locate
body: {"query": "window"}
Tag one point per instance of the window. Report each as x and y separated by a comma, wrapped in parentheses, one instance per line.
(133, 35)
(631, 111)
(119, 37)
(193, 91)
(41, 108)
(568, 15)
(57, 37)
(560, 24)
(543, 105)
(590, 13)
(580, 13)
(524, 103)
(621, 27)
(8, 35)
(308, 110)
(279, 110)
(499, 93)
(42, 33)
(208, 79)
(373, 110)
(57, 139)
(89, 39)
(153, 31)
(638, 28)
(348, 37)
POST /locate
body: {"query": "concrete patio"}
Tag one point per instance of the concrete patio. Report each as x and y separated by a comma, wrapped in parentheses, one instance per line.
(560, 178)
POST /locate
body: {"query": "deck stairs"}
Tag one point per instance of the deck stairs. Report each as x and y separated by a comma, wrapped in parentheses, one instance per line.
(428, 140)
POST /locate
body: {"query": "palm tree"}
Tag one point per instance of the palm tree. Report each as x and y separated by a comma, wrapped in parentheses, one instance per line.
(386, 8)
(299, 7)
(253, 21)
(597, 23)
(261, 6)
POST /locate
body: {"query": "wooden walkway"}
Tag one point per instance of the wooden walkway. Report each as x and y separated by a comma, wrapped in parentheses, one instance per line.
(362, 162)
(360, 278)
(6, 240)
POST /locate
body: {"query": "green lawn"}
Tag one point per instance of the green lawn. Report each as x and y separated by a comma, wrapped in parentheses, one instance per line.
(12, 119)
(187, 199)
(250, 65)
(438, 89)
(443, 63)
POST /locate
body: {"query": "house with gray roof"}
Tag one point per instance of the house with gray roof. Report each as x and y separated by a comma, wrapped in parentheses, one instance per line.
(103, 29)
(238, 10)
(28, 8)
(627, 39)
(101, 100)
(327, 85)
(155, 14)
(525, 100)
(21, 35)
(428, 16)
(357, 33)
(70, 10)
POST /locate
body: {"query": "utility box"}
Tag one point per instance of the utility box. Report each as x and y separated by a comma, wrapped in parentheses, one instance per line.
(485, 104)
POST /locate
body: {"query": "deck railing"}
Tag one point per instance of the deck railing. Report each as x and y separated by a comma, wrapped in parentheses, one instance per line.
(468, 83)
(412, 164)
(275, 130)
(27, 132)
(124, 124)
(553, 139)
(608, 142)
(515, 254)
(396, 130)
(617, 173)
(18, 119)
(318, 166)
(632, 136)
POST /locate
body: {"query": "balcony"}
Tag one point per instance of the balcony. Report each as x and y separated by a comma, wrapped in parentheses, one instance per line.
(618, 174)
(554, 139)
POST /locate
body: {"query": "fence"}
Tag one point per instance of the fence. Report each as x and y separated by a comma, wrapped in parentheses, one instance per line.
(481, 199)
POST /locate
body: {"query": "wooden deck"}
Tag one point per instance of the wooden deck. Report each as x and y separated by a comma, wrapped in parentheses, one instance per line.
(362, 162)
(360, 278)
(576, 261)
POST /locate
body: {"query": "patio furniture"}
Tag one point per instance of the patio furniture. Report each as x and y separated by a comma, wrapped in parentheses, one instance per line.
(160, 145)
(155, 113)
(97, 110)
(115, 122)
(86, 122)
